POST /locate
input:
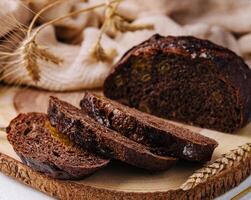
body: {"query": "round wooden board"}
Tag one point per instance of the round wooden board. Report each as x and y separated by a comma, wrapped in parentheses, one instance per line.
(120, 181)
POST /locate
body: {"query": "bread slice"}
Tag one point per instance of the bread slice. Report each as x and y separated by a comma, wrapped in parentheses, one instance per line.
(184, 79)
(157, 133)
(86, 132)
(44, 149)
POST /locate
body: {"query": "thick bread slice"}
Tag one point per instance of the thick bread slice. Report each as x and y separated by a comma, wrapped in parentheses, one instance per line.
(42, 148)
(164, 137)
(86, 132)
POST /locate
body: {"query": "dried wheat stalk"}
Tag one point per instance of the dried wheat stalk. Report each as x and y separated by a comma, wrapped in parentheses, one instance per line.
(100, 54)
(29, 51)
(116, 23)
(228, 160)
(122, 25)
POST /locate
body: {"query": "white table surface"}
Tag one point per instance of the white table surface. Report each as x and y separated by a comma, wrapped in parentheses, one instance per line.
(12, 190)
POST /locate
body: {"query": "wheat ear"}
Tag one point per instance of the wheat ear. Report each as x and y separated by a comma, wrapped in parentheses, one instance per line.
(234, 157)
(97, 51)
(120, 23)
(31, 51)
(116, 22)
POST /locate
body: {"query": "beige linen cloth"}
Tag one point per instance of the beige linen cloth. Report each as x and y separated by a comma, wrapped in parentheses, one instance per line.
(225, 22)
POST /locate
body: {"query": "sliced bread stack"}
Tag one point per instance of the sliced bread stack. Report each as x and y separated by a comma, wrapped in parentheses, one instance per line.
(88, 133)
(70, 143)
(163, 137)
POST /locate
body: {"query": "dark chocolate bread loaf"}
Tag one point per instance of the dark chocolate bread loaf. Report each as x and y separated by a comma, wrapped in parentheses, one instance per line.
(86, 132)
(185, 79)
(165, 138)
(44, 149)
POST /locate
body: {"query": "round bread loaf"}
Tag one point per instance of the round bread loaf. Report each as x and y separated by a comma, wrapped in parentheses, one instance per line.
(184, 79)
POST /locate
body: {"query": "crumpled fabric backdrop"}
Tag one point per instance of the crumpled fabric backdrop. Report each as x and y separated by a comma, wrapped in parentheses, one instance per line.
(225, 22)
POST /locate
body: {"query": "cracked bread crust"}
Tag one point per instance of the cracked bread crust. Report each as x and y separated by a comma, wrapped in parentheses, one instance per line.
(185, 79)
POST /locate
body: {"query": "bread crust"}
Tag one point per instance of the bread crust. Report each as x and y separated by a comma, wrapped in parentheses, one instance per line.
(86, 132)
(186, 54)
(38, 148)
(159, 134)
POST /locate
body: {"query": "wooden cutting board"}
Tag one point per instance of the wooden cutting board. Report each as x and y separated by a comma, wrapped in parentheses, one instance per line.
(121, 181)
